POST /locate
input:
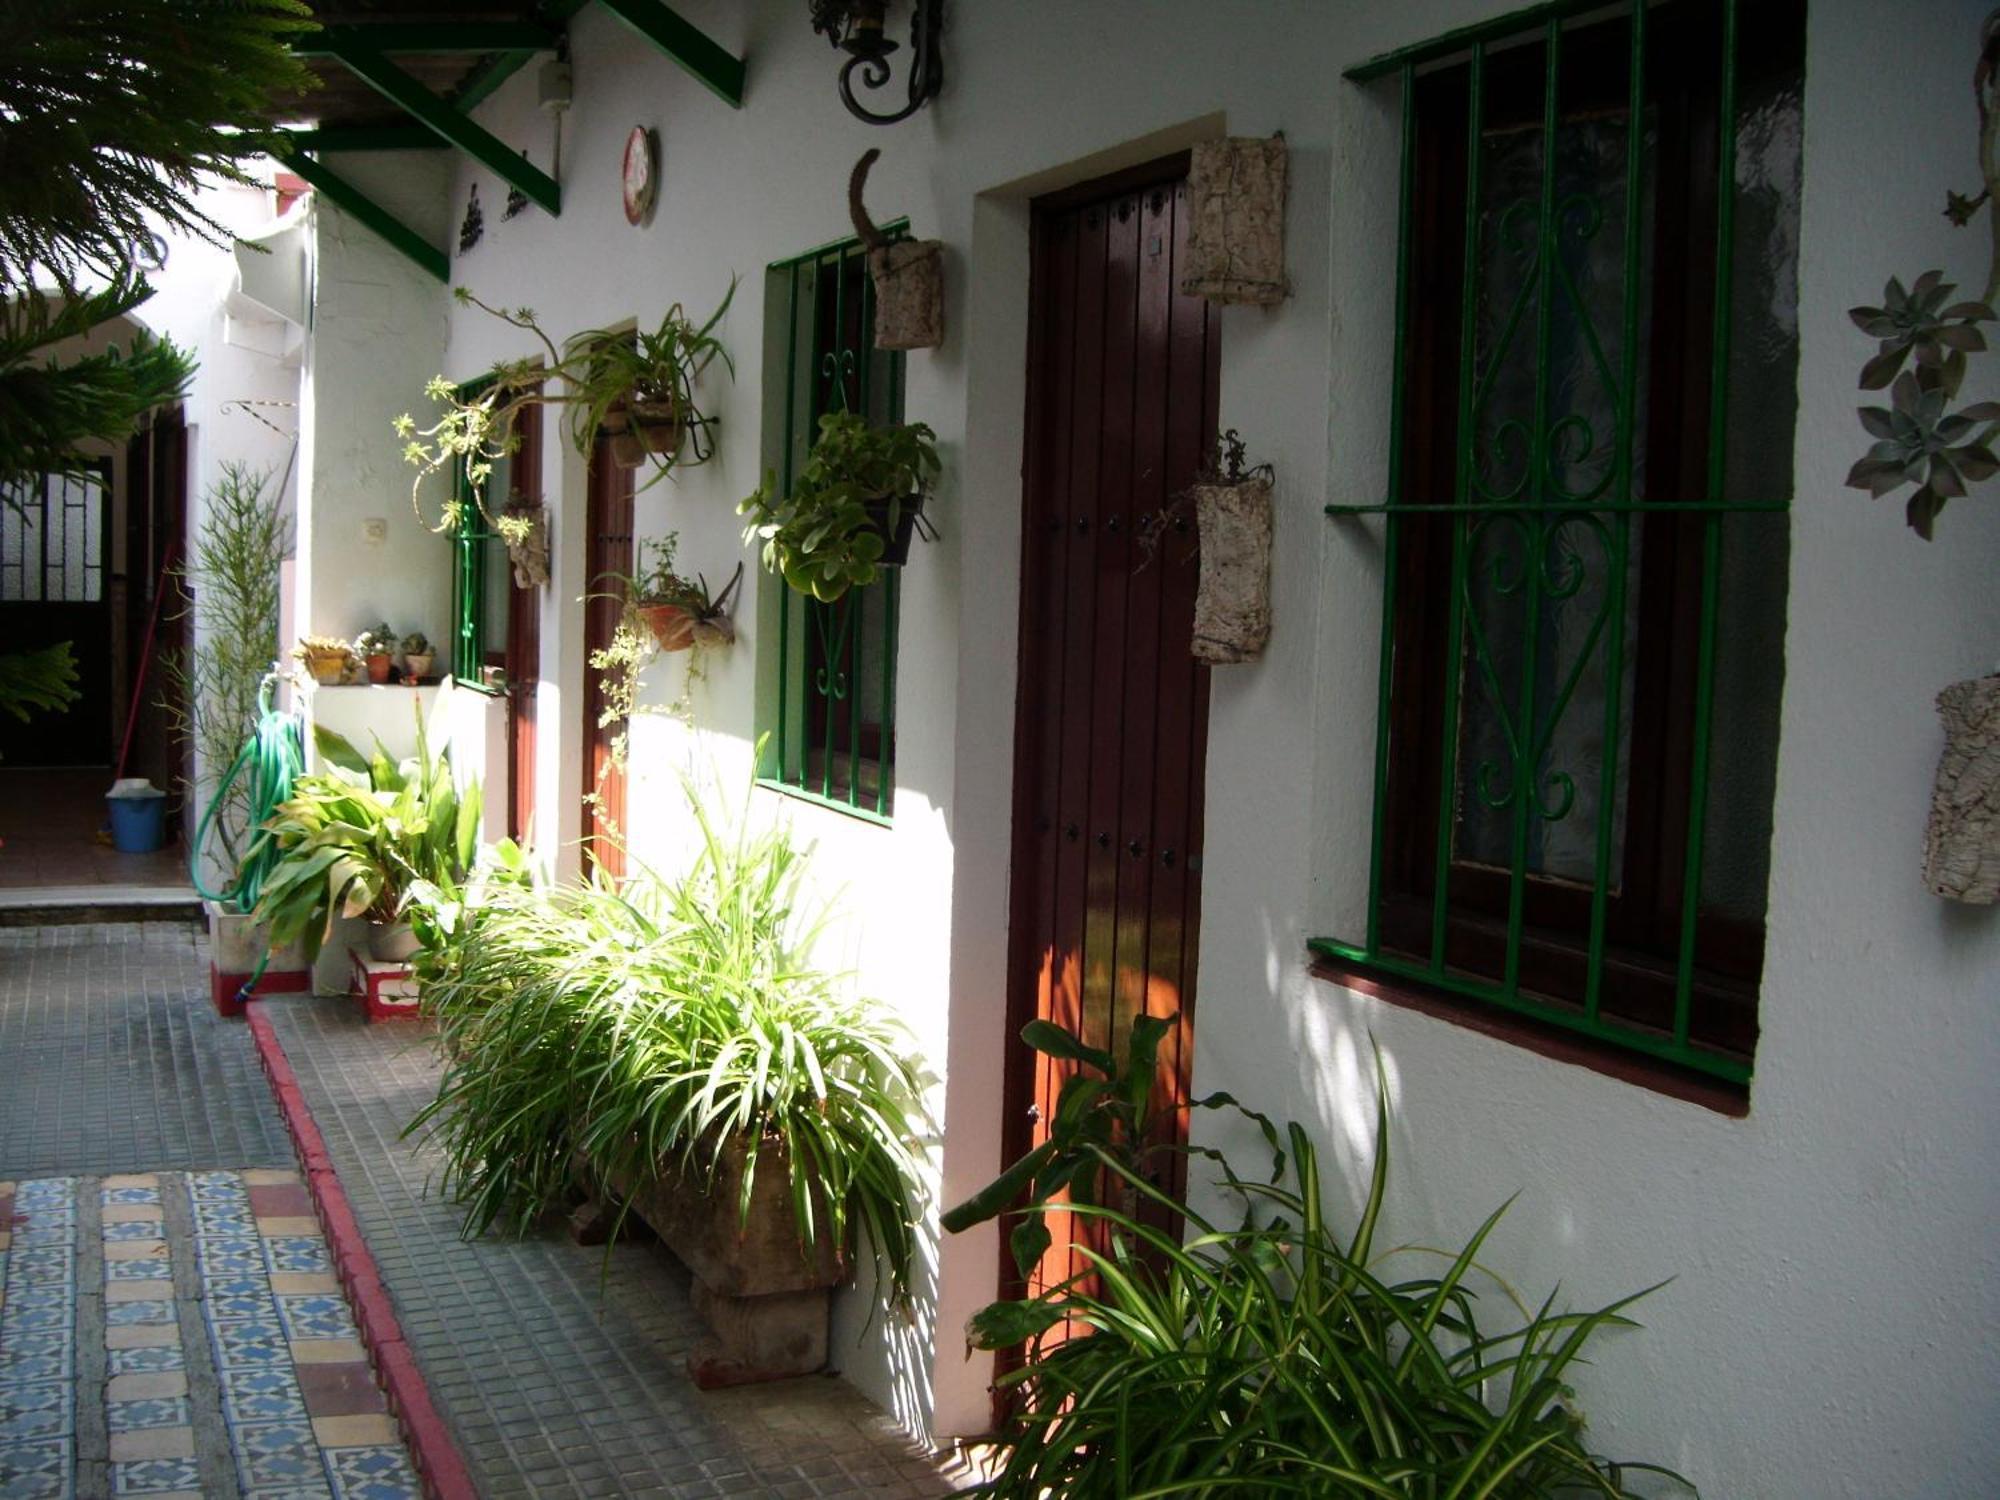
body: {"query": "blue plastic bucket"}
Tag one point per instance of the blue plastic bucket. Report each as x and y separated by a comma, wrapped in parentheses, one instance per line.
(138, 823)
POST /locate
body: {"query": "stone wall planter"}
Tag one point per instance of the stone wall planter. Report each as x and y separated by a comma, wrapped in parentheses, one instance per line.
(1232, 606)
(530, 555)
(1962, 843)
(1236, 226)
(909, 294)
(765, 1301)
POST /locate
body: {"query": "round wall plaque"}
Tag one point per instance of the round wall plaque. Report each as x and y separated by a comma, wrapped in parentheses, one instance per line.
(642, 174)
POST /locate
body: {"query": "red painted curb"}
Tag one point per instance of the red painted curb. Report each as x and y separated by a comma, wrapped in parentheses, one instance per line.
(439, 1465)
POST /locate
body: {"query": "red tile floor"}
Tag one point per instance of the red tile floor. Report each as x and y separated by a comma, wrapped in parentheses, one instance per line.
(49, 822)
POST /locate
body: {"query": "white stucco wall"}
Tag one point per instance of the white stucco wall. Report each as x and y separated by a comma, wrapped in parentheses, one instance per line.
(1829, 1330)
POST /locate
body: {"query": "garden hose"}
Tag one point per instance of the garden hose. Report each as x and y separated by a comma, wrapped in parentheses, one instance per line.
(273, 757)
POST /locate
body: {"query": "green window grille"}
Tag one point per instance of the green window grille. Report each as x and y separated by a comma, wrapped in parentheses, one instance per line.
(480, 571)
(831, 683)
(1585, 532)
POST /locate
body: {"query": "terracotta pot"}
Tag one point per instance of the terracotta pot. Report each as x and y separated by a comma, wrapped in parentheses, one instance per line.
(327, 667)
(626, 450)
(657, 425)
(379, 663)
(417, 667)
(896, 542)
(672, 625)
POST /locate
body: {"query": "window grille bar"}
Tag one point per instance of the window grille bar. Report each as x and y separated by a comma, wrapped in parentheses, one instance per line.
(885, 752)
(833, 653)
(1628, 1038)
(1628, 396)
(1468, 348)
(1711, 542)
(1392, 527)
(1451, 44)
(1536, 536)
(791, 412)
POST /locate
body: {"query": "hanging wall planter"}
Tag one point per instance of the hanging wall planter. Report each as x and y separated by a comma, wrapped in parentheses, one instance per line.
(525, 530)
(1962, 843)
(1236, 224)
(1232, 507)
(908, 276)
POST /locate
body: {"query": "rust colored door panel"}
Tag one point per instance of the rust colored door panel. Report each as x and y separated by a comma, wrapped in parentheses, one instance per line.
(607, 550)
(1111, 727)
(524, 642)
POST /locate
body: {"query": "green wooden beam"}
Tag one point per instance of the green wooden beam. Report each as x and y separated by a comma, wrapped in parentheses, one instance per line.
(339, 190)
(366, 138)
(432, 112)
(685, 43)
(482, 81)
(417, 36)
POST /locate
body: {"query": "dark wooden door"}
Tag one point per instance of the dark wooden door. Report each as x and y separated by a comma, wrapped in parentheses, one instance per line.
(55, 586)
(607, 559)
(1112, 720)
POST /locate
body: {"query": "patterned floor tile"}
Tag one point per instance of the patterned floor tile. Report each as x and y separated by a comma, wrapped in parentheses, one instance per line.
(272, 1454)
(136, 1416)
(235, 1256)
(144, 1361)
(298, 1253)
(124, 1314)
(131, 1195)
(250, 1341)
(155, 1476)
(35, 1410)
(138, 1270)
(132, 1229)
(39, 1470)
(316, 1317)
(371, 1474)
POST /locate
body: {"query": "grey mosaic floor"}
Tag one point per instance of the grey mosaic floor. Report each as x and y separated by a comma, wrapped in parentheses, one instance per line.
(113, 1060)
(560, 1377)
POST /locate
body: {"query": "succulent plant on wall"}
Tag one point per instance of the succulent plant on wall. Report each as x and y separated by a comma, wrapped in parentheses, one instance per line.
(1921, 437)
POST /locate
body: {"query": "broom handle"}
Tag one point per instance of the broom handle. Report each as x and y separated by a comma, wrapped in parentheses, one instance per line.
(145, 659)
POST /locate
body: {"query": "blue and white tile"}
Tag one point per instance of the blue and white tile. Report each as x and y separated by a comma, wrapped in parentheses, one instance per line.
(287, 1253)
(145, 1361)
(42, 1264)
(152, 1411)
(132, 1229)
(35, 1410)
(250, 1341)
(37, 1470)
(276, 1454)
(155, 1476)
(234, 1255)
(215, 1187)
(138, 1270)
(128, 1195)
(51, 1315)
(371, 1474)
(135, 1314)
(36, 1356)
(269, 1393)
(239, 1297)
(316, 1315)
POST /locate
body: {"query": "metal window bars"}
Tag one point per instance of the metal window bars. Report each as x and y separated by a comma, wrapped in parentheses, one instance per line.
(833, 733)
(1541, 512)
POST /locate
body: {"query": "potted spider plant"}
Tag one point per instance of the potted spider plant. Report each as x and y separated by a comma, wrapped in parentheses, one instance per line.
(853, 509)
(672, 1045)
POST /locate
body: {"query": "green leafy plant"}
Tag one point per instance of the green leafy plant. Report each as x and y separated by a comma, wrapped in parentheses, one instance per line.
(827, 535)
(1270, 1357)
(416, 643)
(644, 1028)
(231, 579)
(360, 835)
(40, 681)
(599, 375)
(656, 582)
(377, 640)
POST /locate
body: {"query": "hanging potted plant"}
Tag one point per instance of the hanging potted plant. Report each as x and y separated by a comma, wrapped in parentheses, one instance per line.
(639, 387)
(853, 508)
(679, 612)
(377, 649)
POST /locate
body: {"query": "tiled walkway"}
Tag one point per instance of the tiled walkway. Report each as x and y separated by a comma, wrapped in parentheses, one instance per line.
(557, 1368)
(181, 1336)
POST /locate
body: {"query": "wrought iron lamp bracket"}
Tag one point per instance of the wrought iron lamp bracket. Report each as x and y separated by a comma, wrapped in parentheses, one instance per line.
(856, 27)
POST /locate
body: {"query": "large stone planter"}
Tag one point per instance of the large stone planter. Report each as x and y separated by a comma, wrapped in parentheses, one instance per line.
(765, 1300)
(1236, 223)
(1962, 843)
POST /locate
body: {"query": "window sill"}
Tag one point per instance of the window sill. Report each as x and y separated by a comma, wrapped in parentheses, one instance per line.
(1539, 1037)
(831, 804)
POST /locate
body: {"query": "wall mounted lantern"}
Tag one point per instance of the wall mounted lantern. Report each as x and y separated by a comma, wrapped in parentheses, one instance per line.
(856, 27)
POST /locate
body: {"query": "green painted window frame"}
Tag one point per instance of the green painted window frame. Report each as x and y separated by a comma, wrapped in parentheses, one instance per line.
(1539, 507)
(828, 717)
(474, 547)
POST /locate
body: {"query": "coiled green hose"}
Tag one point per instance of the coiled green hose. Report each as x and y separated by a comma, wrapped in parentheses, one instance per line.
(275, 757)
